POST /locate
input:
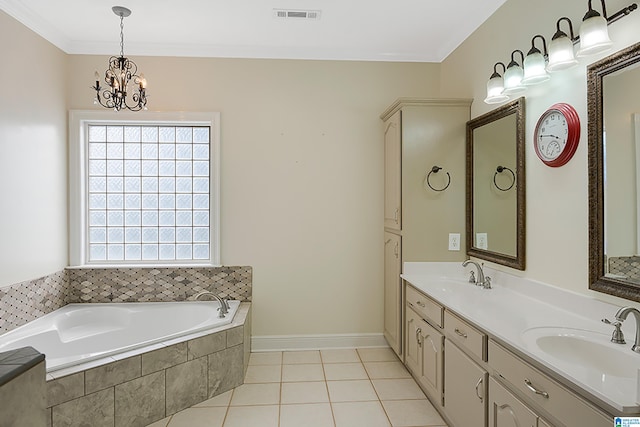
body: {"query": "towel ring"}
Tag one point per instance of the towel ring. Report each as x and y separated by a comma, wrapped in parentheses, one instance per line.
(501, 169)
(435, 169)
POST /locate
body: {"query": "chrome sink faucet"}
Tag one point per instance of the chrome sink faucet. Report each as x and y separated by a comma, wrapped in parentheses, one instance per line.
(621, 316)
(482, 280)
(224, 307)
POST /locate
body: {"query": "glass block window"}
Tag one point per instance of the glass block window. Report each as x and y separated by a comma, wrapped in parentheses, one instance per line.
(148, 193)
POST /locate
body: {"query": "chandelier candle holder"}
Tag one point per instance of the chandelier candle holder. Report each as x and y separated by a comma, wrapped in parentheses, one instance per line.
(122, 78)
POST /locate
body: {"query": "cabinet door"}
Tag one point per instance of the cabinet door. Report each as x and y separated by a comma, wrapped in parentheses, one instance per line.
(413, 345)
(465, 389)
(431, 377)
(505, 410)
(392, 292)
(392, 171)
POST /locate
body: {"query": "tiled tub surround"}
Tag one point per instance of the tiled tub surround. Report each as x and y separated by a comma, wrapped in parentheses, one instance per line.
(22, 388)
(516, 306)
(141, 387)
(26, 301)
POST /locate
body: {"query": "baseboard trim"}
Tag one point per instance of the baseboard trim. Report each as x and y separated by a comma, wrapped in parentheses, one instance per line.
(316, 342)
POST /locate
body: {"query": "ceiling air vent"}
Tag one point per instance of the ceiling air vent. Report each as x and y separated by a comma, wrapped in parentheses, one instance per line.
(296, 14)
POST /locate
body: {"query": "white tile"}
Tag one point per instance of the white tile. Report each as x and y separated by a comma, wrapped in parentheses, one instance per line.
(312, 372)
(307, 415)
(345, 371)
(386, 370)
(263, 374)
(252, 416)
(266, 358)
(352, 414)
(339, 356)
(220, 400)
(407, 413)
(351, 391)
(304, 392)
(297, 357)
(162, 423)
(256, 394)
(397, 389)
(384, 354)
(199, 417)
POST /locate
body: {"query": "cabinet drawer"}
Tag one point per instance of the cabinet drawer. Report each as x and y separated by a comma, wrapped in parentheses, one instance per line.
(539, 388)
(466, 335)
(425, 306)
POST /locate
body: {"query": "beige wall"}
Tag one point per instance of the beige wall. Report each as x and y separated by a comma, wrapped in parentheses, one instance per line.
(557, 205)
(302, 175)
(33, 153)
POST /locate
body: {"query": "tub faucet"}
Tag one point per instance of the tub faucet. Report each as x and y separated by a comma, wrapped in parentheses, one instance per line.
(482, 280)
(621, 316)
(224, 308)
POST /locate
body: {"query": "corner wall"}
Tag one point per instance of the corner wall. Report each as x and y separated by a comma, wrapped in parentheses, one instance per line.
(302, 175)
(557, 198)
(33, 155)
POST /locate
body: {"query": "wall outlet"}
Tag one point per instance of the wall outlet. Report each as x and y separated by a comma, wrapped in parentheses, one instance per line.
(454, 241)
(482, 241)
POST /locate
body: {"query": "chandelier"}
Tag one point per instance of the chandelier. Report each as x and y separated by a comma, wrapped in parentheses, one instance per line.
(121, 78)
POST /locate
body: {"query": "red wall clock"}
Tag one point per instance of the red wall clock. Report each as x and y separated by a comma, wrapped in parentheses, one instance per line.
(557, 135)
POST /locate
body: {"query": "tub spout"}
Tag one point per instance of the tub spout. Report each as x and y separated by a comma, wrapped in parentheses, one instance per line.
(224, 308)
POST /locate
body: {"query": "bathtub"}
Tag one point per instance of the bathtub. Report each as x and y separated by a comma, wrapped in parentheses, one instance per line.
(80, 333)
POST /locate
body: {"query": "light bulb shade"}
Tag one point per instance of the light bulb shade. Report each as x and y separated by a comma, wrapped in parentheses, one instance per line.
(513, 80)
(594, 36)
(495, 91)
(535, 69)
(561, 54)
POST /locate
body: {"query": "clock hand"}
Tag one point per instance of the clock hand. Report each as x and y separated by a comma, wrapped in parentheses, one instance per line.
(553, 136)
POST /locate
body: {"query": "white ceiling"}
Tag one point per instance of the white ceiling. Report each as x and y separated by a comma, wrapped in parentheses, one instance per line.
(375, 30)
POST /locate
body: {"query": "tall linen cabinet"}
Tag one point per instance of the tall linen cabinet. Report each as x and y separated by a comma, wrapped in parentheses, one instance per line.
(418, 135)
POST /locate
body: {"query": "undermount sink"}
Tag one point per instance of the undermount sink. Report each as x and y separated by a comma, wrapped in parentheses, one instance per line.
(584, 350)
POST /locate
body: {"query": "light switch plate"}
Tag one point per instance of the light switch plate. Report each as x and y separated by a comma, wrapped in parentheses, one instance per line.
(482, 241)
(454, 241)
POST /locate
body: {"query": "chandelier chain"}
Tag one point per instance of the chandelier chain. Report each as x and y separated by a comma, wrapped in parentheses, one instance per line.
(121, 35)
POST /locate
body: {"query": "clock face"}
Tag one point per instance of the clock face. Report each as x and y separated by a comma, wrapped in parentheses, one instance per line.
(551, 138)
(557, 135)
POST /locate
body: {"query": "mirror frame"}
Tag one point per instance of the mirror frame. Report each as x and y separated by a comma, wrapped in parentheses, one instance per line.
(595, 75)
(516, 107)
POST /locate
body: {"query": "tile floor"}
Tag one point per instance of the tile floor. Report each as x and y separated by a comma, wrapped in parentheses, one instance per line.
(327, 388)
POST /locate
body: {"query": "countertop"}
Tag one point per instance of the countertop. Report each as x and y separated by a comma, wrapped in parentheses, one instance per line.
(516, 305)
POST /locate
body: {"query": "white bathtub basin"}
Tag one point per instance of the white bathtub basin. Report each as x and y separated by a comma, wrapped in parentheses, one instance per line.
(78, 333)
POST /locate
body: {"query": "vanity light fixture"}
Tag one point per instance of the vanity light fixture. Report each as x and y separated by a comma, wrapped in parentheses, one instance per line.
(594, 34)
(121, 78)
(513, 75)
(535, 64)
(495, 86)
(561, 54)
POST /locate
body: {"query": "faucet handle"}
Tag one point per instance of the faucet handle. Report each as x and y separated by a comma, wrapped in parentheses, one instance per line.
(617, 337)
(487, 282)
(472, 277)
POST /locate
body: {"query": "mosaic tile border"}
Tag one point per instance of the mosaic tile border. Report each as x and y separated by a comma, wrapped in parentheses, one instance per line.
(26, 301)
(627, 266)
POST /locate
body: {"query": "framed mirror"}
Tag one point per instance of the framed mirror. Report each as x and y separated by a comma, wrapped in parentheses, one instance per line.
(613, 98)
(496, 186)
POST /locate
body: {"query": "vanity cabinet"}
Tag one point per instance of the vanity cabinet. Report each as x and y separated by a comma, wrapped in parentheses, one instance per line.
(543, 392)
(506, 410)
(424, 355)
(392, 291)
(419, 134)
(465, 388)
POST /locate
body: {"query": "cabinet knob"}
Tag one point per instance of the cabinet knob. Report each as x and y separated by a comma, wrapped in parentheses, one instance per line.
(395, 217)
(419, 337)
(421, 304)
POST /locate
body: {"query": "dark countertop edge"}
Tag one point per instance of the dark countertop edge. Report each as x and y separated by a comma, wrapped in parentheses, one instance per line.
(16, 362)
